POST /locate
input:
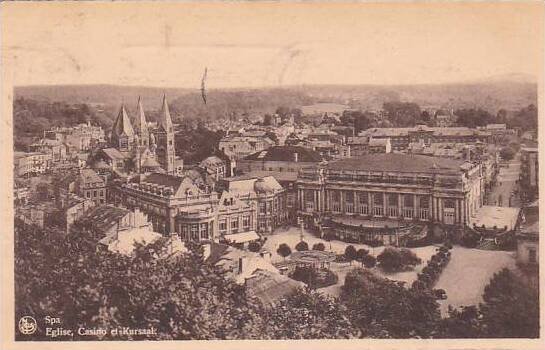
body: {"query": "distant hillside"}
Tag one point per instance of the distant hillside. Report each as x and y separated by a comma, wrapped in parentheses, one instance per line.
(491, 95)
(510, 92)
(108, 95)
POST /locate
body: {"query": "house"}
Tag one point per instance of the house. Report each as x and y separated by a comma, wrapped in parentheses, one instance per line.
(91, 186)
(380, 145)
(281, 159)
(528, 237)
(214, 166)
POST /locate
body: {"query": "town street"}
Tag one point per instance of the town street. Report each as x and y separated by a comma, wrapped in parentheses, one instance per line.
(501, 193)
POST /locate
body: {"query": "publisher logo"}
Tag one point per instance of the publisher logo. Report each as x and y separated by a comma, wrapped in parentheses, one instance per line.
(27, 325)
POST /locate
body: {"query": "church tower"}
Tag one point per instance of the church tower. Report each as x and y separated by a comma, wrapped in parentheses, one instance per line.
(141, 126)
(164, 139)
(122, 132)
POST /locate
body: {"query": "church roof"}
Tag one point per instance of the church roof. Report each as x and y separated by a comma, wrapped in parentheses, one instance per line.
(141, 125)
(165, 122)
(122, 125)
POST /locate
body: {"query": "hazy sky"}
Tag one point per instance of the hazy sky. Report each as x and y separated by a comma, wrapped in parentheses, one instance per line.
(267, 44)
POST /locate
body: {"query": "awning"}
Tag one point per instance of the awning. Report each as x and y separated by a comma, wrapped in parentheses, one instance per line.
(242, 237)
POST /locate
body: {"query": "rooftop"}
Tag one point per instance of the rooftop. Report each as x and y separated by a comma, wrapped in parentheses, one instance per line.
(286, 153)
(104, 217)
(397, 162)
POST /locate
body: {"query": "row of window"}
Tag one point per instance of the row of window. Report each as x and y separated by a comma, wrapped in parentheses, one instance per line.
(95, 193)
(235, 224)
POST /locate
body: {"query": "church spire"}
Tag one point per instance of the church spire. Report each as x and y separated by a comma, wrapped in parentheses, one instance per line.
(165, 122)
(141, 124)
(122, 131)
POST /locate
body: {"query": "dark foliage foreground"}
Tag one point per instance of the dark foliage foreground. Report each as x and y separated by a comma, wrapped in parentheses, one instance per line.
(184, 298)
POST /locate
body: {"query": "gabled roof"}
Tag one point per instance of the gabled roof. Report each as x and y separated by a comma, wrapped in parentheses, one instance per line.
(113, 153)
(122, 125)
(104, 217)
(90, 176)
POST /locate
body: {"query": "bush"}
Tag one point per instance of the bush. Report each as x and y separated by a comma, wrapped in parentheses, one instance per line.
(301, 246)
(254, 247)
(350, 253)
(318, 246)
(284, 250)
(394, 260)
(369, 261)
(360, 254)
(470, 241)
(314, 278)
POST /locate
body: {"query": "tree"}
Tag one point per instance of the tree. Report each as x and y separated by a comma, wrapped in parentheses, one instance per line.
(402, 114)
(254, 247)
(369, 261)
(383, 308)
(510, 309)
(309, 315)
(301, 246)
(394, 260)
(507, 153)
(350, 253)
(181, 296)
(360, 254)
(318, 246)
(284, 250)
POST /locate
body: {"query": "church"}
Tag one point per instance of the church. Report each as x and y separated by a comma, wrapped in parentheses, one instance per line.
(136, 149)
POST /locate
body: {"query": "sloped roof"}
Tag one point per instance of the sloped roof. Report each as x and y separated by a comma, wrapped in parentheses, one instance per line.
(122, 125)
(286, 153)
(150, 162)
(165, 180)
(397, 162)
(113, 153)
(104, 217)
(141, 125)
(165, 121)
(269, 287)
(89, 175)
(378, 142)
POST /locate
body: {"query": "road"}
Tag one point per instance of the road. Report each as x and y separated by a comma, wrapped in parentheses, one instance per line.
(506, 183)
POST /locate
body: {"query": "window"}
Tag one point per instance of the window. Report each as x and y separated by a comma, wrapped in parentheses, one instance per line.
(94, 193)
(532, 255)
(336, 196)
(195, 231)
(392, 199)
(262, 208)
(101, 193)
(223, 225)
(204, 231)
(408, 201)
(234, 224)
(424, 202)
(246, 222)
(184, 232)
(364, 198)
(88, 193)
(378, 198)
(349, 197)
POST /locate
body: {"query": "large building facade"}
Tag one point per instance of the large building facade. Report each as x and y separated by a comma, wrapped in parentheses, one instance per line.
(401, 138)
(395, 187)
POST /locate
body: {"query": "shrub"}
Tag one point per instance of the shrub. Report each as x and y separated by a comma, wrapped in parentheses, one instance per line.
(350, 253)
(318, 246)
(284, 250)
(369, 261)
(301, 246)
(254, 247)
(314, 278)
(394, 260)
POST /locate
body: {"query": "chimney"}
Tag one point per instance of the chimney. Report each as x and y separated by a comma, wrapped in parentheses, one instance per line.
(241, 264)
(295, 157)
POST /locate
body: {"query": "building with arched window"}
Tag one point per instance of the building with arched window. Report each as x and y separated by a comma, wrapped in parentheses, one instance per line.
(392, 188)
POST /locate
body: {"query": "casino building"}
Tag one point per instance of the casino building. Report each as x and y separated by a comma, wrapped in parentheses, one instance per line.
(391, 189)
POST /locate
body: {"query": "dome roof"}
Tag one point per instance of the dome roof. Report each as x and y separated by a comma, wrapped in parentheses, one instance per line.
(262, 187)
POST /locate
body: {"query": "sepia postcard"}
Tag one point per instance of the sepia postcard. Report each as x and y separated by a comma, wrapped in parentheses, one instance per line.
(271, 175)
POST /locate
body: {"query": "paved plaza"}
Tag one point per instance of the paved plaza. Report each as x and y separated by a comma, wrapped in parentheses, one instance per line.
(464, 278)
